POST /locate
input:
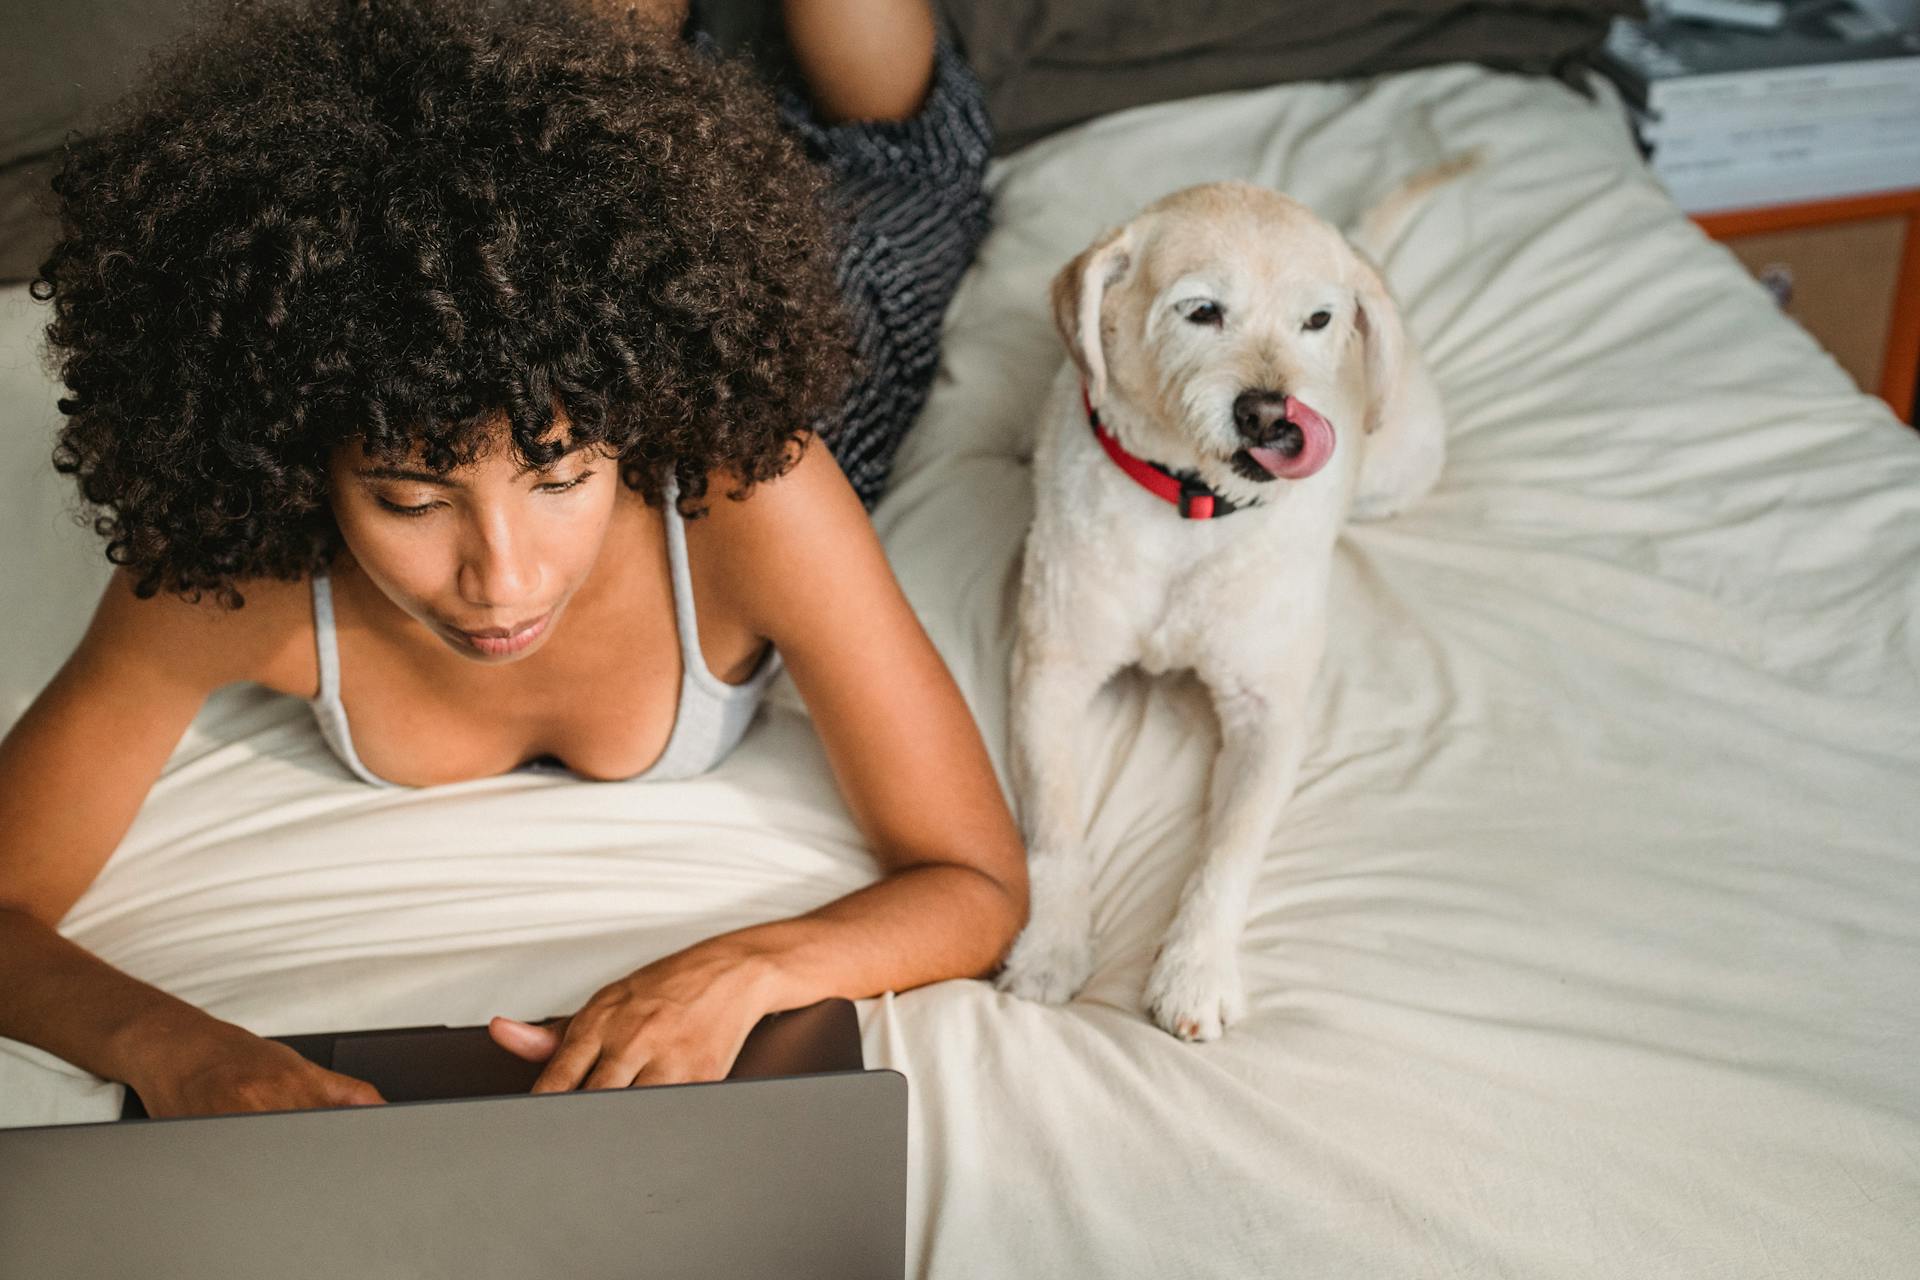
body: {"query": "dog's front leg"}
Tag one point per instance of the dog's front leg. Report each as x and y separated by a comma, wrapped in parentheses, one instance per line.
(1194, 989)
(1054, 953)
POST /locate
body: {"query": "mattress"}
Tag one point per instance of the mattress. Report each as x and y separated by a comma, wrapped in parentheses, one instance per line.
(1588, 945)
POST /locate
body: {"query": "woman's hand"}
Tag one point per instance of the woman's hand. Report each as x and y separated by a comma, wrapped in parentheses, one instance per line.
(680, 1019)
(233, 1070)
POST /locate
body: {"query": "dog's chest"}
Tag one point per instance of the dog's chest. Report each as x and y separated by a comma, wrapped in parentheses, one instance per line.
(1196, 600)
(1173, 644)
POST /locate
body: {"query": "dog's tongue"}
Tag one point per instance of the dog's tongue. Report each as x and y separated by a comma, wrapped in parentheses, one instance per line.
(1316, 435)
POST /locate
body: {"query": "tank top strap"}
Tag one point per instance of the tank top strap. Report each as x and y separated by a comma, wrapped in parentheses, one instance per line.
(326, 639)
(685, 622)
(329, 712)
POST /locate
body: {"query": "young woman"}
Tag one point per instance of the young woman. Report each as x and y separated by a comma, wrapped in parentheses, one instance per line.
(456, 365)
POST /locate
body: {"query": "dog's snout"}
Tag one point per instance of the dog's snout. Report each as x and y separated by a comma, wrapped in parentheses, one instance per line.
(1261, 417)
(1255, 412)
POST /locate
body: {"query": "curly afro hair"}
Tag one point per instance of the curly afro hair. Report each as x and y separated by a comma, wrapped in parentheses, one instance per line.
(407, 222)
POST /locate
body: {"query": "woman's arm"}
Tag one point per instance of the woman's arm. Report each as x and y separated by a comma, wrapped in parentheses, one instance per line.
(916, 776)
(73, 773)
(862, 59)
(899, 737)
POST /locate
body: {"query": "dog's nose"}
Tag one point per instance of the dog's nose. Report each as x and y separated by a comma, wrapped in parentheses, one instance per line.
(1261, 417)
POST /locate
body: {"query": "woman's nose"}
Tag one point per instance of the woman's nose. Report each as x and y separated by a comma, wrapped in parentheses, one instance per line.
(498, 569)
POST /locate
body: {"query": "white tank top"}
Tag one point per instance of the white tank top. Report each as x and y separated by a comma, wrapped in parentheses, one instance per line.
(709, 720)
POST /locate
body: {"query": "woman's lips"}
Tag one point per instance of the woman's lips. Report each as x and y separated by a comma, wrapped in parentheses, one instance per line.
(498, 642)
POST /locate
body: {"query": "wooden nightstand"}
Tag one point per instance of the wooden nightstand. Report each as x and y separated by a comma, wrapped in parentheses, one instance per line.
(1847, 269)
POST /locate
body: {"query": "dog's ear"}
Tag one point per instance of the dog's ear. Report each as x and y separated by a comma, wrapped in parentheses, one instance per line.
(1389, 362)
(1078, 291)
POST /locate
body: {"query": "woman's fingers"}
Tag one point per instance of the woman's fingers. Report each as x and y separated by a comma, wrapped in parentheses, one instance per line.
(579, 1049)
(615, 1070)
(524, 1039)
(347, 1091)
(680, 1071)
(608, 1047)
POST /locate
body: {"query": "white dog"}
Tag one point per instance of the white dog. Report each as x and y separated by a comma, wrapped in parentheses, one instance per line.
(1240, 382)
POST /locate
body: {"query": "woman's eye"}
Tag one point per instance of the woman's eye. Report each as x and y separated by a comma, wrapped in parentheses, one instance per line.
(561, 486)
(1319, 319)
(400, 510)
(1206, 313)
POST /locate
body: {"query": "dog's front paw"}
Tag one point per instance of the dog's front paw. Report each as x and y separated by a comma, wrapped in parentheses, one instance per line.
(1194, 992)
(1050, 961)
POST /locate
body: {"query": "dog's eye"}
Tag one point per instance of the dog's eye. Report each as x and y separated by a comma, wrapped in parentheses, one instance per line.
(1319, 319)
(1206, 313)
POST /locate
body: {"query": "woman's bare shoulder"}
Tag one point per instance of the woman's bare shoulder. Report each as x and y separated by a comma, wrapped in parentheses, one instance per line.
(790, 542)
(205, 643)
(807, 512)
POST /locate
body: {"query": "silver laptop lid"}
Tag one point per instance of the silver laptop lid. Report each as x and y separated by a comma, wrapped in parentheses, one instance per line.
(799, 1178)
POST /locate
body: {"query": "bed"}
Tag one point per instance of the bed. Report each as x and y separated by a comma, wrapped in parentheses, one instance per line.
(1589, 944)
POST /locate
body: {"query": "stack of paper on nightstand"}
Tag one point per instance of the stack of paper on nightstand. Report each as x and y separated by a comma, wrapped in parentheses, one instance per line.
(1771, 103)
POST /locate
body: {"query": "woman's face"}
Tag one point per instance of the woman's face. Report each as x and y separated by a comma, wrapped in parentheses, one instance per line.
(486, 556)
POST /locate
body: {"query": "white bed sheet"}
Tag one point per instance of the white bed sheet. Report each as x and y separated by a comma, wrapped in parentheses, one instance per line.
(1589, 944)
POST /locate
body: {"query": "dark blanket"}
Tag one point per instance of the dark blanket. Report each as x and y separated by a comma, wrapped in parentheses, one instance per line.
(1047, 64)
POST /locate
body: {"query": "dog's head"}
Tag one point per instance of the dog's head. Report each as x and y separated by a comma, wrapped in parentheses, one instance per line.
(1231, 330)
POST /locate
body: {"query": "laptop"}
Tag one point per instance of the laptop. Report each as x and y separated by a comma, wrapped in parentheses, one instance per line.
(794, 1166)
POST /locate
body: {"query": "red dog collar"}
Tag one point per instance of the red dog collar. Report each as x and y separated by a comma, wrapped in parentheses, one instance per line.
(1184, 490)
